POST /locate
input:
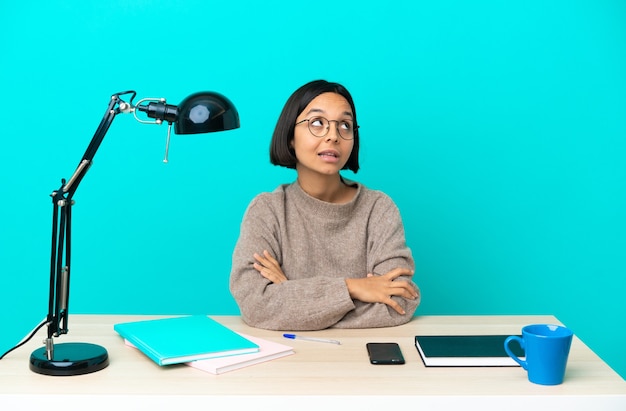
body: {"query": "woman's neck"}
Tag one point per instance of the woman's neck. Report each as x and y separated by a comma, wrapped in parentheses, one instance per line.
(330, 189)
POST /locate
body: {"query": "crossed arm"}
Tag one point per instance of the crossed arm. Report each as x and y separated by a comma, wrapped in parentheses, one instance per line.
(370, 289)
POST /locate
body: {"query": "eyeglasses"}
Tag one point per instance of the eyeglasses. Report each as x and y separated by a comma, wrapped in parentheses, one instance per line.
(319, 126)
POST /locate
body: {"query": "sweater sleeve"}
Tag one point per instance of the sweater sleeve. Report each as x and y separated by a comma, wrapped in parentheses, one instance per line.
(302, 304)
(387, 250)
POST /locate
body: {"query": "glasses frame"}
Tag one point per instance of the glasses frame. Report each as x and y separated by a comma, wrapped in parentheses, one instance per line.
(354, 127)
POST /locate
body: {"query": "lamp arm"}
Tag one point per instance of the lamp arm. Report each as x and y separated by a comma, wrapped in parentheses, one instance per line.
(60, 257)
(116, 106)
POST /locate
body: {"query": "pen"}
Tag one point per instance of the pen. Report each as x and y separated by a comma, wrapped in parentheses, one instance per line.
(299, 337)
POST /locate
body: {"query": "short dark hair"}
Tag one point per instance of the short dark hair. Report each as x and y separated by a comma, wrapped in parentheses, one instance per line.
(281, 151)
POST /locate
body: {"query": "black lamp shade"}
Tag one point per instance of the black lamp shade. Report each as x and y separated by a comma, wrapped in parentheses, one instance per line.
(206, 112)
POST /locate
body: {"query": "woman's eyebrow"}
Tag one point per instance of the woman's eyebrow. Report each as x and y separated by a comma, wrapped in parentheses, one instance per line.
(315, 110)
(319, 110)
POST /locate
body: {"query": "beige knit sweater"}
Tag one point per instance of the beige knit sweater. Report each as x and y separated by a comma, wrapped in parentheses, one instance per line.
(318, 245)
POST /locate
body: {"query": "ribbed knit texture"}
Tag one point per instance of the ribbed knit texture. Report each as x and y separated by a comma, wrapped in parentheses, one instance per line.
(318, 246)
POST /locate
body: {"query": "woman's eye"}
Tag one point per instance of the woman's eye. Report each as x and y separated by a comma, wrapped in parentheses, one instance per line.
(345, 125)
(317, 122)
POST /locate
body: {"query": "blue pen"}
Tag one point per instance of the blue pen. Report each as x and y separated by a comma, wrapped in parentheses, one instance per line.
(299, 337)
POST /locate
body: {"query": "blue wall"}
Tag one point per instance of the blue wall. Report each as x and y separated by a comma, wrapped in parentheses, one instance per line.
(499, 129)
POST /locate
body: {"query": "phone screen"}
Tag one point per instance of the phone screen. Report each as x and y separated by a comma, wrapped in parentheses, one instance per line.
(385, 353)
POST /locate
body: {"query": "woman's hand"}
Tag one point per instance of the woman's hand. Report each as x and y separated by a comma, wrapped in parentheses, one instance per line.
(269, 267)
(380, 289)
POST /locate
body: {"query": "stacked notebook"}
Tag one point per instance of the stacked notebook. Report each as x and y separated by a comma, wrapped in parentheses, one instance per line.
(198, 341)
(268, 350)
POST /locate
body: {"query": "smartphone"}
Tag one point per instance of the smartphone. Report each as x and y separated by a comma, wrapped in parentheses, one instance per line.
(385, 353)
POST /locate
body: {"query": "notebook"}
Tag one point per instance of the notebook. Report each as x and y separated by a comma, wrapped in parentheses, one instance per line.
(182, 339)
(466, 351)
(268, 350)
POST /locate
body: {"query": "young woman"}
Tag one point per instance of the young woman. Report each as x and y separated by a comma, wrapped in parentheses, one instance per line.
(322, 251)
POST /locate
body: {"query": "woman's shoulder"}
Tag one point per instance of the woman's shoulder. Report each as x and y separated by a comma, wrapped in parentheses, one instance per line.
(377, 204)
(374, 195)
(271, 199)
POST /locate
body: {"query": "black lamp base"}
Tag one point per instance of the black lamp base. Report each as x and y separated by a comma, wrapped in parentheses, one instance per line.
(70, 359)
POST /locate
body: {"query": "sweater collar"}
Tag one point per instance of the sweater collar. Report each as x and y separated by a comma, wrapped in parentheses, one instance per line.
(331, 210)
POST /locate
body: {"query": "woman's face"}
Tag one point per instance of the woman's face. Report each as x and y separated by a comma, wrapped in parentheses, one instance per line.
(330, 153)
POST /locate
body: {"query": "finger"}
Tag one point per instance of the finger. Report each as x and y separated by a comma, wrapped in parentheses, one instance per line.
(266, 260)
(271, 260)
(262, 270)
(404, 289)
(264, 263)
(269, 256)
(259, 258)
(397, 272)
(390, 302)
(269, 274)
(404, 294)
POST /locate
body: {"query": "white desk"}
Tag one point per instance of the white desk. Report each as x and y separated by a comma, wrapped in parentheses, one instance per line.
(318, 375)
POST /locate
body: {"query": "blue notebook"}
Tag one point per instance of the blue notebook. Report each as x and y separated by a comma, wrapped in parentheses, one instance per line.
(183, 339)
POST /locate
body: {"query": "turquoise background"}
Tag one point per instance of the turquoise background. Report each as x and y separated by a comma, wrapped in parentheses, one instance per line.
(498, 128)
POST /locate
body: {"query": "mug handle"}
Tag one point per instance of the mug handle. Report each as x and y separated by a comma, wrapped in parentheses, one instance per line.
(524, 364)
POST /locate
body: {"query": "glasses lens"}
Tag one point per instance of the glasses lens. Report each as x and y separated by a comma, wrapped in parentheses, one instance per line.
(318, 126)
(345, 129)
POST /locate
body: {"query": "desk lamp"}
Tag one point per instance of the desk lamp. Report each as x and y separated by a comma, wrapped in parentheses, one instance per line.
(203, 112)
